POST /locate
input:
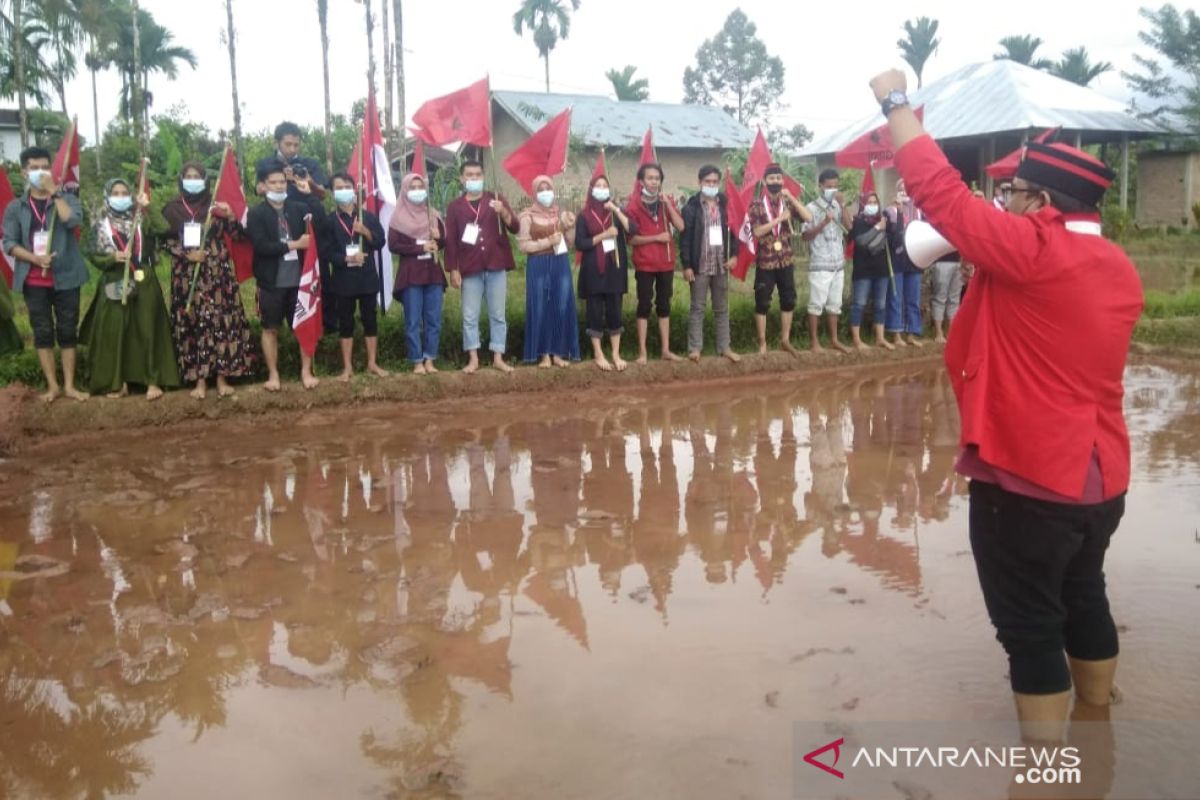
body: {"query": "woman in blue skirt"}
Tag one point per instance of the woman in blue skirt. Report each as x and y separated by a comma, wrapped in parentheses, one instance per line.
(551, 327)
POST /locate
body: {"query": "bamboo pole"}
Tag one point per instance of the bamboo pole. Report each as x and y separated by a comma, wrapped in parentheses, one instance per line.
(135, 230)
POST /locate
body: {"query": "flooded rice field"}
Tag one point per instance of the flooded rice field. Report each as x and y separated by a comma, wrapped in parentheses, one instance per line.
(608, 596)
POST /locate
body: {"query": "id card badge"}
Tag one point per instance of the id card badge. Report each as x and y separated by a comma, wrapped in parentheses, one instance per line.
(352, 251)
(423, 256)
(715, 238)
(191, 234)
(470, 234)
(41, 243)
(292, 255)
(609, 245)
(561, 247)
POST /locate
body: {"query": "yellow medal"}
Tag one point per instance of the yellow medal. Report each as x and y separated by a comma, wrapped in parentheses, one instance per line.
(139, 275)
(778, 246)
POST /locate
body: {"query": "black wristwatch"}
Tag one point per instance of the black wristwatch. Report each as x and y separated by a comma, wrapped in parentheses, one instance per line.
(894, 99)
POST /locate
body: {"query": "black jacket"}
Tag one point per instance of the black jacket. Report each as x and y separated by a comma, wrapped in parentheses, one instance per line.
(315, 172)
(332, 239)
(695, 231)
(262, 227)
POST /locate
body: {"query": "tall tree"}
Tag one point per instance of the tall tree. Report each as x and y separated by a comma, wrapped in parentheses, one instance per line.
(153, 49)
(1023, 50)
(143, 133)
(95, 18)
(1173, 100)
(549, 20)
(17, 26)
(919, 44)
(387, 72)
(789, 140)
(1076, 66)
(323, 22)
(625, 87)
(230, 35)
(734, 70)
(370, 45)
(58, 22)
(398, 62)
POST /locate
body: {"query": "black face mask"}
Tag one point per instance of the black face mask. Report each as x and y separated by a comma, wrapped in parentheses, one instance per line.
(774, 188)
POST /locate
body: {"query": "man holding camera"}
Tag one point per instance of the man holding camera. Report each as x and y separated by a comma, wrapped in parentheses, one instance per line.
(295, 166)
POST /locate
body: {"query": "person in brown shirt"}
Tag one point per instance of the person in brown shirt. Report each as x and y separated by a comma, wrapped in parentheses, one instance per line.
(770, 218)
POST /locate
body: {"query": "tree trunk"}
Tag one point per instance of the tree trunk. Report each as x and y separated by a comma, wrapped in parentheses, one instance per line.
(137, 100)
(19, 63)
(546, 60)
(231, 38)
(388, 132)
(323, 20)
(398, 61)
(95, 101)
(370, 46)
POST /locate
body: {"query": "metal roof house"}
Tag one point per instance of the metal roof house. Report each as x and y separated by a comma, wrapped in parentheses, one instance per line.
(685, 136)
(984, 111)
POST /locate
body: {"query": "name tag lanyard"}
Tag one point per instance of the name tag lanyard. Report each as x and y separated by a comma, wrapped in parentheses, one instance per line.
(616, 251)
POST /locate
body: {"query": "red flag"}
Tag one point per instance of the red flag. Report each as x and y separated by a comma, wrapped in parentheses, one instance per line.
(373, 172)
(1007, 166)
(543, 153)
(868, 183)
(229, 190)
(601, 167)
(463, 116)
(306, 321)
(649, 156)
(794, 186)
(66, 162)
(872, 146)
(6, 196)
(756, 163)
(418, 160)
(738, 210)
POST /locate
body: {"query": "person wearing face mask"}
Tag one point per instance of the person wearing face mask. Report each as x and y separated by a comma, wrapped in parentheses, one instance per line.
(708, 251)
(128, 342)
(869, 230)
(601, 233)
(1036, 358)
(39, 237)
(288, 143)
(348, 244)
(827, 258)
(479, 257)
(770, 219)
(417, 233)
(278, 230)
(212, 336)
(903, 304)
(551, 327)
(655, 214)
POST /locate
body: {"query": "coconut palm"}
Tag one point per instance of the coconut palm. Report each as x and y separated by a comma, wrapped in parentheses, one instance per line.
(157, 51)
(625, 87)
(922, 42)
(323, 22)
(1076, 67)
(549, 20)
(1022, 50)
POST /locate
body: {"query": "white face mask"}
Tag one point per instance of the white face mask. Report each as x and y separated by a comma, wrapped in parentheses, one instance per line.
(120, 204)
(417, 196)
(600, 194)
(546, 197)
(710, 191)
(36, 176)
(343, 197)
(828, 194)
(277, 197)
(871, 210)
(473, 186)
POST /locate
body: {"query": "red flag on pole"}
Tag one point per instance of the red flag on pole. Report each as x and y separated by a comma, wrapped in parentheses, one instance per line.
(229, 190)
(873, 146)
(371, 167)
(1007, 166)
(756, 163)
(543, 153)
(66, 162)
(418, 160)
(7, 265)
(868, 182)
(461, 116)
(601, 167)
(649, 156)
(306, 321)
(738, 209)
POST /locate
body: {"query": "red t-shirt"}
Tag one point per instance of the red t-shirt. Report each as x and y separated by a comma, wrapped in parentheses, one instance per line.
(657, 256)
(41, 220)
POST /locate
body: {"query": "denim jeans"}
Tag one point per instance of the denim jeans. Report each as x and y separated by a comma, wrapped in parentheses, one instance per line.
(423, 304)
(877, 290)
(904, 305)
(492, 286)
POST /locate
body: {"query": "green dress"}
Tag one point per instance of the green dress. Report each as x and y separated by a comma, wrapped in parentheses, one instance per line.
(10, 339)
(128, 343)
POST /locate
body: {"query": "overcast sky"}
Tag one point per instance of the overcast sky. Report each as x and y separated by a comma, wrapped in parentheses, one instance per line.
(829, 51)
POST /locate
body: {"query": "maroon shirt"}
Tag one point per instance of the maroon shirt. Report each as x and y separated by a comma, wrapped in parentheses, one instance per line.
(490, 251)
(414, 270)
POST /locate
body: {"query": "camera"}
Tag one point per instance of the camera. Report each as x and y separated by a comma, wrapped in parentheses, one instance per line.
(300, 171)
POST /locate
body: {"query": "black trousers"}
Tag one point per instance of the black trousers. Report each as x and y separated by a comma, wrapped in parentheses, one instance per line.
(366, 308)
(1041, 569)
(53, 314)
(765, 281)
(604, 315)
(656, 288)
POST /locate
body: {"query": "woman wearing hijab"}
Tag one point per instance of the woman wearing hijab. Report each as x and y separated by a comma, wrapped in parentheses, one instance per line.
(904, 302)
(869, 232)
(348, 246)
(128, 342)
(212, 337)
(416, 234)
(551, 329)
(600, 235)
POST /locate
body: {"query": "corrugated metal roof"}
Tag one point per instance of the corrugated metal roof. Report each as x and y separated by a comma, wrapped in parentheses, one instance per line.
(998, 97)
(600, 120)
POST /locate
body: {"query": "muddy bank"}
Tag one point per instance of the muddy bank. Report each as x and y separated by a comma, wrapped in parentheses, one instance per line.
(23, 419)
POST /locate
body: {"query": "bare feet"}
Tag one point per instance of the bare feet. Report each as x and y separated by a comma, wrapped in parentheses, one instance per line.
(602, 363)
(429, 367)
(899, 342)
(560, 362)
(419, 368)
(223, 387)
(694, 357)
(861, 346)
(667, 355)
(915, 342)
(345, 376)
(939, 340)
(545, 363)
(885, 344)
(786, 347)
(816, 347)
(841, 348)
(153, 393)
(50, 396)
(732, 356)
(115, 395)
(309, 380)
(498, 363)
(762, 348)
(471, 368)
(200, 392)
(272, 384)
(641, 359)
(620, 363)
(377, 371)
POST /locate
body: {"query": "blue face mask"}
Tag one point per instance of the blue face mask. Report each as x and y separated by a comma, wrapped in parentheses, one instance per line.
(473, 187)
(343, 197)
(36, 176)
(120, 204)
(710, 191)
(418, 196)
(601, 194)
(193, 185)
(870, 210)
(546, 197)
(277, 197)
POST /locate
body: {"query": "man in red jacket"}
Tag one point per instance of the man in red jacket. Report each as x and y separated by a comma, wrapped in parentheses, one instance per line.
(1036, 357)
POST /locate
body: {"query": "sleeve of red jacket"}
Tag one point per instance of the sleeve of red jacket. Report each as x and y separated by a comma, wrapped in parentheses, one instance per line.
(1003, 245)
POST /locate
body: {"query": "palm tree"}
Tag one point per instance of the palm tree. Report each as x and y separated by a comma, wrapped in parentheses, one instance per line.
(922, 42)
(230, 35)
(323, 21)
(625, 87)
(398, 63)
(58, 22)
(370, 45)
(1021, 49)
(550, 20)
(387, 72)
(1076, 67)
(96, 21)
(136, 56)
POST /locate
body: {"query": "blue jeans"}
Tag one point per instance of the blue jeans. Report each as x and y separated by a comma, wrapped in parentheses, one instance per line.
(904, 305)
(423, 304)
(491, 285)
(875, 288)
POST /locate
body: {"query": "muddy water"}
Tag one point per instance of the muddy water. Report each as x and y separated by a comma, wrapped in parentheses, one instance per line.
(624, 598)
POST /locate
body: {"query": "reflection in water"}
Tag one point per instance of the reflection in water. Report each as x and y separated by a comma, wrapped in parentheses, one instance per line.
(418, 568)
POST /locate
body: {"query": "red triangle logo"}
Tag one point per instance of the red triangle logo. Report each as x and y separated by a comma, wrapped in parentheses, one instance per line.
(835, 746)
